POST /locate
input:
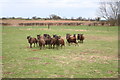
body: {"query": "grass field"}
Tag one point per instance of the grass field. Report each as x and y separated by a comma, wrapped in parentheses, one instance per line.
(97, 57)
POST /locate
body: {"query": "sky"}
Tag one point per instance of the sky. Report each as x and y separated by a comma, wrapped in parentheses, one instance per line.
(44, 8)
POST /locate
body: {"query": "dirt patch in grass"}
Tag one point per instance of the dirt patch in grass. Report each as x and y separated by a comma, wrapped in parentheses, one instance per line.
(36, 72)
(35, 49)
(8, 73)
(33, 58)
(58, 76)
(44, 29)
(104, 38)
(28, 29)
(46, 63)
(75, 30)
(84, 56)
(111, 72)
(27, 47)
(32, 49)
(81, 30)
(91, 51)
(2, 57)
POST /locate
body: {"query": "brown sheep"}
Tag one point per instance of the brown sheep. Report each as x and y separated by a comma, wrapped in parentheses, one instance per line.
(80, 37)
(62, 43)
(41, 41)
(71, 39)
(32, 41)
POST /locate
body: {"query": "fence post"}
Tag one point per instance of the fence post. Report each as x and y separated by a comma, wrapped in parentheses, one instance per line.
(48, 26)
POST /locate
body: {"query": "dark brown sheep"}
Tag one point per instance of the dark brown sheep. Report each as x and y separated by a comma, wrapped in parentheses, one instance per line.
(47, 39)
(55, 41)
(71, 39)
(80, 37)
(32, 41)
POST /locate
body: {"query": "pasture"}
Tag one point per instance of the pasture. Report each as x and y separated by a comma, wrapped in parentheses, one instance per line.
(97, 57)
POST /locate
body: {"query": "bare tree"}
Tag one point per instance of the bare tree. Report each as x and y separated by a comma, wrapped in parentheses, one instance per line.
(118, 20)
(109, 10)
(55, 17)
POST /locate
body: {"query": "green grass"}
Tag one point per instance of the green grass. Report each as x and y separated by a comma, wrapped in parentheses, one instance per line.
(97, 57)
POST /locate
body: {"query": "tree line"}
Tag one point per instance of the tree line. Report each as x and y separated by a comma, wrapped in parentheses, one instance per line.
(54, 17)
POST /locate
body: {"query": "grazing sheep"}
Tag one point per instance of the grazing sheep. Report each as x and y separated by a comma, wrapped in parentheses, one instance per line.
(80, 37)
(55, 41)
(41, 41)
(71, 39)
(62, 43)
(47, 39)
(32, 41)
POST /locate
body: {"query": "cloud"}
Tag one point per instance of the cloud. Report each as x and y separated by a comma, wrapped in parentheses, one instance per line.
(52, 3)
(65, 3)
(43, 8)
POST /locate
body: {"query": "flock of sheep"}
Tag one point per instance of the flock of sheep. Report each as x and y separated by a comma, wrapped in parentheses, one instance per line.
(54, 41)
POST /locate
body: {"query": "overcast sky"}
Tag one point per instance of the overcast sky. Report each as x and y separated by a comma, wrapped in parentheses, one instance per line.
(43, 8)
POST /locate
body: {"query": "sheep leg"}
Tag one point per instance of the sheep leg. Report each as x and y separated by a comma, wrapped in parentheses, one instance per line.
(57, 47)
(43, 46)
(30, 45)
(49, 46)
(34, 44)
(53, 46)
(40, 46)
(61, 46)
(82, 41)
(69, 44)
(76, 43)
